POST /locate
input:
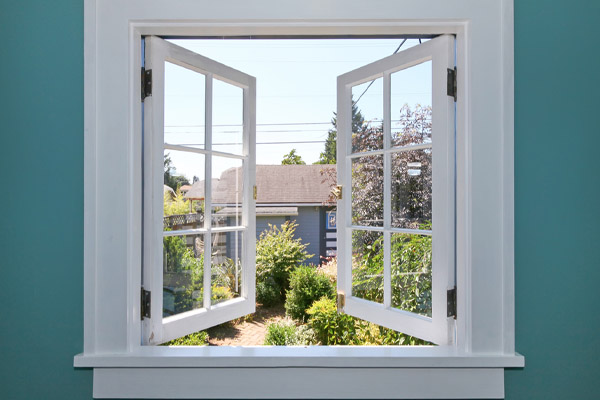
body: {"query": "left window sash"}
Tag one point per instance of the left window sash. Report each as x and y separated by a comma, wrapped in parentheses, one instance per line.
(198, 246)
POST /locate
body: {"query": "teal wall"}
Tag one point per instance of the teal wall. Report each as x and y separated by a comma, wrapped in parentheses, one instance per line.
(557, 199)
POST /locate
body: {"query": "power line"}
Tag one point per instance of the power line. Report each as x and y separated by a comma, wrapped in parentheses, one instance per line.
(365, 91)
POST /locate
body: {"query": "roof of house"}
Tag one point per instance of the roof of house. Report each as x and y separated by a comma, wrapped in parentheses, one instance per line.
(196, 191)
(275, 184)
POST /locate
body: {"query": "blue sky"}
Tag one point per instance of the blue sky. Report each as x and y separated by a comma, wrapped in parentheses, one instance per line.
(296, 94)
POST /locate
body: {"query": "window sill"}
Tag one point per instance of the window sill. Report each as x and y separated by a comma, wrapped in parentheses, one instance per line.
(283, 372)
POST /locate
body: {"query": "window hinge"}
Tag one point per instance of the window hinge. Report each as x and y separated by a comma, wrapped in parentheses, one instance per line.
(341, 301)
(452, 83)
(451, 302)
(337, 192)
(145, 302)
(146, 83)
(255, 192)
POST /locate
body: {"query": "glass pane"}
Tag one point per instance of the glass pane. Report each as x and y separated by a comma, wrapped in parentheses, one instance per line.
(227, 191)
(411, 189)
(367, 265)
(184, 106)
(411, 105)
(183, 266)
(228, 118)
(411, 273)
(183, 190)
(226, 270)
(367, 116)
(367, 191)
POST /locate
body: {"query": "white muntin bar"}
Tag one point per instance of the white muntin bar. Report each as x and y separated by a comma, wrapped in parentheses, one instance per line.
(206, 281)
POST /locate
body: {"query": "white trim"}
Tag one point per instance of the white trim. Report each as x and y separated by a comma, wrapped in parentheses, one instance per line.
(112, 220)
(277, 383)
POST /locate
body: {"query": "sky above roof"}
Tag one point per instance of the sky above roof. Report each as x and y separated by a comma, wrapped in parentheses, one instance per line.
(296, 96)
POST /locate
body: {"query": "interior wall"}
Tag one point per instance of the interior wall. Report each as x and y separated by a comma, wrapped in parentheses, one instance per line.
(557, 199)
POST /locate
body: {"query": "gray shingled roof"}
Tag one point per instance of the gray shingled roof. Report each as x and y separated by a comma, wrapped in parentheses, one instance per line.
(276, 184)
(196, 192)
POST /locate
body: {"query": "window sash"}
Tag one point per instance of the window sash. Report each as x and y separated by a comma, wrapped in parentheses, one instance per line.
(158, 329)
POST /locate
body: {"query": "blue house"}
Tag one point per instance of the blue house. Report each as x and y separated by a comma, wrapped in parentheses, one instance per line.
(300, 193)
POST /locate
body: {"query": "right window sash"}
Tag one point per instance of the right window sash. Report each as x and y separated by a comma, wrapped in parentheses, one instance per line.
(396, 165)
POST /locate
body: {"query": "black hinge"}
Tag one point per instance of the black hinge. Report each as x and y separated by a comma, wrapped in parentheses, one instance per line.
(452, 83)
(145, 302)
(451, 296)
(146, 83)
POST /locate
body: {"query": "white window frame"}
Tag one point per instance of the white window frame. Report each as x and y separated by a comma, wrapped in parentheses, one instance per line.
(439, 328)
(473, 368)
(156, 329)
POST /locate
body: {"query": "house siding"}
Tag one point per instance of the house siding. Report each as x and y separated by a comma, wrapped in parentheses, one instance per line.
(309, 230)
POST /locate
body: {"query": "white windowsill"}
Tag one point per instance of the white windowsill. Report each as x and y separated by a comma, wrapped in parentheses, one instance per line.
(283, 373)
(317, 356)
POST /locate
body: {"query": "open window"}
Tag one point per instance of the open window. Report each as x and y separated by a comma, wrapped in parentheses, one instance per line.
(198, 263)
(115, 215)
(397, 176)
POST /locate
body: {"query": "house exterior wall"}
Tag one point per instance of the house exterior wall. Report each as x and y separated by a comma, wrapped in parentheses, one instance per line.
(309, 229)
(41, 110)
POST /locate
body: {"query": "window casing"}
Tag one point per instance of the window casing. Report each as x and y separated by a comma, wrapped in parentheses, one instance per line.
(484, 210)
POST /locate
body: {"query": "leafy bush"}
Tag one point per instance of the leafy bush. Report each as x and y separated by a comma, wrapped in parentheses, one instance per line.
(286, 333)
(268, 292)
(277, 254)
(175, 205)
(329, 269)
(410, 270)
(330, 327)
(333, 328)
(307, 285)
(194, 339)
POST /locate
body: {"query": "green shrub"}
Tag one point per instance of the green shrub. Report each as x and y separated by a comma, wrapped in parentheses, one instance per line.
(307, 285)
(410, 270)
(330, 327)
(286, 333)
(268, 292)
(194, 339)
(277, 254)
(333, 328)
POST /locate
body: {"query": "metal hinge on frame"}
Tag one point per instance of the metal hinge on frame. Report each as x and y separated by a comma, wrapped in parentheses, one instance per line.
(452, 89)
(255, 192)
(146, 83)
(451, 302)
(145, 303)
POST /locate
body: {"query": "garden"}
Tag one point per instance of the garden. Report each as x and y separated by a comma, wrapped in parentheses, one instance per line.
(301, 299)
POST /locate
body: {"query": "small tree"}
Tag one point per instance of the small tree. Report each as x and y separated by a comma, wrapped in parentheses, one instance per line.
(292, 158)
(277, 254)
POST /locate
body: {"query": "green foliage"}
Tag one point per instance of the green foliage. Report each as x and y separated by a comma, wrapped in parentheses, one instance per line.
(329, 155)
(333, 328)
(268, 292)
(170, 179)
(193, 339)
(411, 272)
(292, 159)
(277, 254)
(286, 333)
(175, 205)
(330, 327)
(306, 286)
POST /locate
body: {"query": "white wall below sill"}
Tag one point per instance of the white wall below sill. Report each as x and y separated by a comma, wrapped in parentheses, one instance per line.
(320, 372)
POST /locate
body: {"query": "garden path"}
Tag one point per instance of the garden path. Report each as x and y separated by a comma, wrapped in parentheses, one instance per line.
(246, 331)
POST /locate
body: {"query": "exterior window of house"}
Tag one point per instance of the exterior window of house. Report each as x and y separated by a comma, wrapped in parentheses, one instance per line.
(205, 267)
(133, 242)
